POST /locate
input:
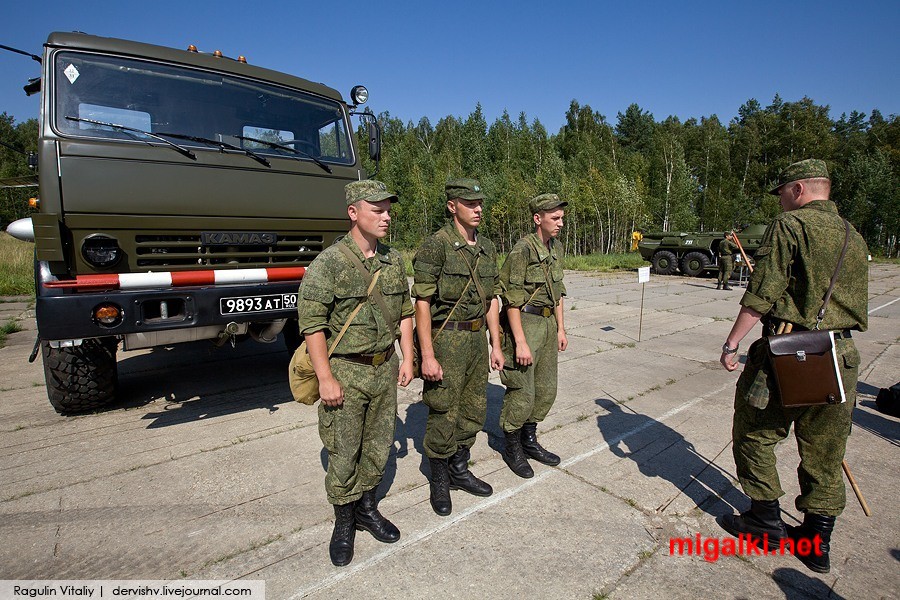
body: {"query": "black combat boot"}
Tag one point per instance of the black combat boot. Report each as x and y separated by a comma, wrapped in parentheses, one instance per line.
(719, 285)
(461, 478)
(341, 547)
(514, 456)
(369, 519)
(816, 530)
(440, 487)
(533, 449)
(725, 286)
(762, 521)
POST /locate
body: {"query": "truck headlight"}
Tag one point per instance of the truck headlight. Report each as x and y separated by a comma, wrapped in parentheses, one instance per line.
(101, 250)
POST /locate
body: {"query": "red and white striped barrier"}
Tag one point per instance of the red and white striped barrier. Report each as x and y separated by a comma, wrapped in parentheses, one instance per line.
(166, 279)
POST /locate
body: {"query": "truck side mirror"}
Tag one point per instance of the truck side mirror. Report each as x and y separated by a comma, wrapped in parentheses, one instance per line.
(374, 141)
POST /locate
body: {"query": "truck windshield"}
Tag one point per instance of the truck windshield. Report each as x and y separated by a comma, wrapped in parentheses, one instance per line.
(197, 104)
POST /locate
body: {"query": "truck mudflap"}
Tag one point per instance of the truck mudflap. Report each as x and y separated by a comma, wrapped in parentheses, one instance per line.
(70, 311)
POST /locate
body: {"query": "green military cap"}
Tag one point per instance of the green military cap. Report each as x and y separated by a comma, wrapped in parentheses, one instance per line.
(545, 202)
(368, 189)
(805, 169)
(464, 189)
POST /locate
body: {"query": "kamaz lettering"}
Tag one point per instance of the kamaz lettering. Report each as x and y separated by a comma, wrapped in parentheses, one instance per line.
(237, 238)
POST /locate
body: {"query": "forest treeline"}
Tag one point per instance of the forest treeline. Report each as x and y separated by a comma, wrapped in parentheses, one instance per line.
(700, 174)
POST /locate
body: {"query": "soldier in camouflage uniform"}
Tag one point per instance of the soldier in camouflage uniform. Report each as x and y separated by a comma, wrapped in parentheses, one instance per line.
(727, 249)
(794, 266)
(452, 309)
(533, 290)
(358, 384)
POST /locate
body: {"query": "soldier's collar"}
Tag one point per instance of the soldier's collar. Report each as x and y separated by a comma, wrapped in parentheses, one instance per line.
(826, 205)
(542, 250)
(459, 242)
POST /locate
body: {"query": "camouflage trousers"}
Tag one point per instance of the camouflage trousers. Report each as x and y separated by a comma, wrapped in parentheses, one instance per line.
(531, 390)
(358, 435)
(821, 433)
(457, 405)
(726, 266)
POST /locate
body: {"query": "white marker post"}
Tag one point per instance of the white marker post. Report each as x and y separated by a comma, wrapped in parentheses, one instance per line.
(643, 278)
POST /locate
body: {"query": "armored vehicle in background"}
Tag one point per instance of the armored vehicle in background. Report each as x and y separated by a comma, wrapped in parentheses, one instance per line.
(182, 194)
(693, 252)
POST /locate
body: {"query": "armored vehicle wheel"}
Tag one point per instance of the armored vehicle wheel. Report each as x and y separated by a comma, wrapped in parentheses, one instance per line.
(81, 378)
(664, 262)
(292, 337)
(694, 263)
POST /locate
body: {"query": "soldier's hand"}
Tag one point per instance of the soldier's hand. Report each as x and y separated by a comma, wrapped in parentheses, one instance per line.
(331, 392)
(523, 354)
(497, 360)
(729, 361)
(406, 372)
(562, 340)
(431, 369)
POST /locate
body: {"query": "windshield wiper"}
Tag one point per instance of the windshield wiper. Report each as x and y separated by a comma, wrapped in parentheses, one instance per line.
(222, 145)
(173, 145)
(288, 148)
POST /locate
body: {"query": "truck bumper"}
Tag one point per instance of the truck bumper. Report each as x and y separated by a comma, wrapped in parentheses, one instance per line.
(66, 314)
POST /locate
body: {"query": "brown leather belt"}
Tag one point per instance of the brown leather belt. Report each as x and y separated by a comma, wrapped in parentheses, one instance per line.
(474, 325)
(375, 360)
(537, 310)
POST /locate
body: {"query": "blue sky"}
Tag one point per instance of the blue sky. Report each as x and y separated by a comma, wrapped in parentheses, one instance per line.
(689, 58)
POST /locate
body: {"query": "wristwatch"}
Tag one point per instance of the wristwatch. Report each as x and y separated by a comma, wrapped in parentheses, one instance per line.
(727, 350)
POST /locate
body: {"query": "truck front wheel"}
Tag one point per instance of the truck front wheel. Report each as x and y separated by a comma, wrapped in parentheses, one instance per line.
(81, 378)
(664, 262)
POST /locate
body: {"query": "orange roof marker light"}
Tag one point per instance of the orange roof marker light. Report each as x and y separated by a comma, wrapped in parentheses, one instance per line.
(218, 54)
(192, 48)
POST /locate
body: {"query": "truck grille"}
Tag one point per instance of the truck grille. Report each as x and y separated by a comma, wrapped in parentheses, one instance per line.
(185, 251)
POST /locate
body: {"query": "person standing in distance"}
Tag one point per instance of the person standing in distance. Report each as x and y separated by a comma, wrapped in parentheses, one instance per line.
(727, 248)
(794, 266)
(533, 290)
(456, 288)
(358, 383)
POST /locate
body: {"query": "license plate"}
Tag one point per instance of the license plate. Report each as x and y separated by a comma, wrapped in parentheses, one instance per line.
(257, 304)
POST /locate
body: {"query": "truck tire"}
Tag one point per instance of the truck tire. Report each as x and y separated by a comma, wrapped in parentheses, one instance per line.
(292, 337)
(694, 264)
(81, 378)
(664, 262)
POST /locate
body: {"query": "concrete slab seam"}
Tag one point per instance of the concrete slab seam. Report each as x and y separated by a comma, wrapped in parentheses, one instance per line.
(495, 499)
(883, 306)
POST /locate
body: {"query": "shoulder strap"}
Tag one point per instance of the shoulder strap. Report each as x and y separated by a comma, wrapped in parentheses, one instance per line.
(546, 270)
(352, 315)
(373, 291)
(821, 315)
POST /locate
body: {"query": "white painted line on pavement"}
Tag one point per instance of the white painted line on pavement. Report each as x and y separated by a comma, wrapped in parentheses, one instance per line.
(415, 538)
(883, 305)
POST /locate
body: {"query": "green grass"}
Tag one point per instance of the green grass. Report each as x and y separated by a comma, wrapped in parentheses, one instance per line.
(604, 263)
(16, 266)
(7, 328)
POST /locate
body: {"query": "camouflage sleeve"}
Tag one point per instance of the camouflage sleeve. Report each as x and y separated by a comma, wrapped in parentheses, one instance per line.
(512, 276)
(427, 266)
(772, 273)
(316, 297)
(561, 284)
(496, 289)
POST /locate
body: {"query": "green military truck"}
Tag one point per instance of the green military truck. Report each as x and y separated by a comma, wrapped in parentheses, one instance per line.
(182, 193)
(694, 253)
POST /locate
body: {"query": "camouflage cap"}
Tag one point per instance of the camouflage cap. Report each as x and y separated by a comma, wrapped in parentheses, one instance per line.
(805, 169)
(368, 189)
(464, 189)
(545, 202)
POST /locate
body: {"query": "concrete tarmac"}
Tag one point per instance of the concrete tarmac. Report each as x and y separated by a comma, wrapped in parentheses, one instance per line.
(206, 469)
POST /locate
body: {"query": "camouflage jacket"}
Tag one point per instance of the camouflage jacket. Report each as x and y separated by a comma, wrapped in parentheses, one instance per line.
(333, 287)
(727, 248)
(794, 265)
(441, 272)
(523, 273)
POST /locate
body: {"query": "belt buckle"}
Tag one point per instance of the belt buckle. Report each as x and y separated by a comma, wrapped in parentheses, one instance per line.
(475, 325)
(378, 359)
(546, 312)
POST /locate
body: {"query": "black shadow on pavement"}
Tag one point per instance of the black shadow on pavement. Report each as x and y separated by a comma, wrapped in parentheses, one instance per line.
(413, 429)
(797, 585)
(660, 451)
(492, 427)
(886, 428)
